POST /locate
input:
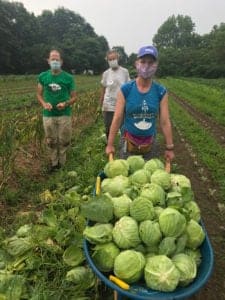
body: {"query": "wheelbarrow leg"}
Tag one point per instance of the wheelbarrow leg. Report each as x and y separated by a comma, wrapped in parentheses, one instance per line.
(117, 296)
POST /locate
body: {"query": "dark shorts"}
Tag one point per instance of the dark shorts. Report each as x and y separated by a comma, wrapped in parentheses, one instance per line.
(108, 117)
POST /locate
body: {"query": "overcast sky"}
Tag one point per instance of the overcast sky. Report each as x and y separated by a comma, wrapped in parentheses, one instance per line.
(133, 23)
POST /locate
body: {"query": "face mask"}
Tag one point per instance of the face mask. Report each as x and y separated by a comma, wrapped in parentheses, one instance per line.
(55, 65)
(113, 63)
(145, 71)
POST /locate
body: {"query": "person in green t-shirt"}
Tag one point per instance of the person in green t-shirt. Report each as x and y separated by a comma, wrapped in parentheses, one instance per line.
(56, 94)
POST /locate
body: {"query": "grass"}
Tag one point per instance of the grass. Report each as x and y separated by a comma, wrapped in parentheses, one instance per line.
(205, 98)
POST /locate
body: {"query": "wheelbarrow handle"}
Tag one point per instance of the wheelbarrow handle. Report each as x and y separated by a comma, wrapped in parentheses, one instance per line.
(168, 165)
(119, 282)
(110, 156)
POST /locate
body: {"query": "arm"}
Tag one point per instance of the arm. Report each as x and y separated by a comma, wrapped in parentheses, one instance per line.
(116, 122)
(102, 96)
(69, 102)
(40, 98)
(166, 127)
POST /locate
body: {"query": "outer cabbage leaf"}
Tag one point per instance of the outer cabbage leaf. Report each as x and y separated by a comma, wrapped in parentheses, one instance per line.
(98, 209)
(98, 233)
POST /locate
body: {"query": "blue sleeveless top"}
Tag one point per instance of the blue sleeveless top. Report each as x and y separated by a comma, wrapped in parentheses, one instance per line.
(141, 109)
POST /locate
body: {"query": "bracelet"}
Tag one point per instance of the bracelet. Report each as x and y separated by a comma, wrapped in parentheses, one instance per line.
(170, 147)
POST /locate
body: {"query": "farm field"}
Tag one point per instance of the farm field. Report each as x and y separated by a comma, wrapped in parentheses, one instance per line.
(197, 113)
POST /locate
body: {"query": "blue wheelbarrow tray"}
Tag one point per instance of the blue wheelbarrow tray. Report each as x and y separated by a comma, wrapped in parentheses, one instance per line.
(141, 292)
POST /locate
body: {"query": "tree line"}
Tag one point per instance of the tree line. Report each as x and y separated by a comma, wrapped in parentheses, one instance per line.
(26, 39)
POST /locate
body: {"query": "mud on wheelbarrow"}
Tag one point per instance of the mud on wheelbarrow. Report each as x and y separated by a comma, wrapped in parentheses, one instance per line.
(139, 291)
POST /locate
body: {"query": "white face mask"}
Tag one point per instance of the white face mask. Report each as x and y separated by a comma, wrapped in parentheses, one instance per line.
(113, 63)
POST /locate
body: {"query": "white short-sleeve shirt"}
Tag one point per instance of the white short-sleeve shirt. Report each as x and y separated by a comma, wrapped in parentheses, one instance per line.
(112, 79)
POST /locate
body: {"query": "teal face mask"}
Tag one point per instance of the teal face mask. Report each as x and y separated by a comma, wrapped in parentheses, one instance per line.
(55, 65)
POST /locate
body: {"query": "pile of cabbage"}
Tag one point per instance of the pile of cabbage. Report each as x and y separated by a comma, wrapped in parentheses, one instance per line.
(145, 225)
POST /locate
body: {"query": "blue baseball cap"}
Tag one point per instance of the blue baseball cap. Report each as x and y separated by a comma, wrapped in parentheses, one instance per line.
(148, 50)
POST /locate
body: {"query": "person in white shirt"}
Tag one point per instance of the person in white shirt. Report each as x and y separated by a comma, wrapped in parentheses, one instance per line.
(112, 79)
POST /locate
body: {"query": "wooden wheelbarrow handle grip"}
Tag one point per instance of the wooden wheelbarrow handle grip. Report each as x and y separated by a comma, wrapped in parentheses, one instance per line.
(168, 166)
(110, 156)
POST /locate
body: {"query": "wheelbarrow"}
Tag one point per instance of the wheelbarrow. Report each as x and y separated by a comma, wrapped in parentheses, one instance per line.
(139, 291)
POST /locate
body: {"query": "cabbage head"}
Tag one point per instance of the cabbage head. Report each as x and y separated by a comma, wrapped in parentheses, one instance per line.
(181, 243)
(116, 167)
(150, 232)
(129, 265)
(172, 222)
(167, 246)
(24, 230)
(174, 199)
(73, 256)
(135, 162)
(82, 277)
(195, 233)
(104, 256)
(161, 274)
(154, 164)
(155, 193)
(162, 178)
(187, 268)
(126, 233)
(121, 206)
(142, 209)
(140, 178)
(98, 233)
(195, 254)
(115, 186)
(158, 211)
(193, 210)
(182, 184)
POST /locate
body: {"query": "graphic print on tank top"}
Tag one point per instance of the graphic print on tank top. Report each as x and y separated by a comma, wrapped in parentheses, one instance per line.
(143, 124)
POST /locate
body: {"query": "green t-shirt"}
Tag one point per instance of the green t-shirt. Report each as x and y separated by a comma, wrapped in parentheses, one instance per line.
(56, 89)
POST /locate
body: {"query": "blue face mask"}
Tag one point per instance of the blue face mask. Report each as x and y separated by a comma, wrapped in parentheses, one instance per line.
(55, 65)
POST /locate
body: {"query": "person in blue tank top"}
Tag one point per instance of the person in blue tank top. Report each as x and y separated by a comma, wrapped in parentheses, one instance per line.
(140, 104)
